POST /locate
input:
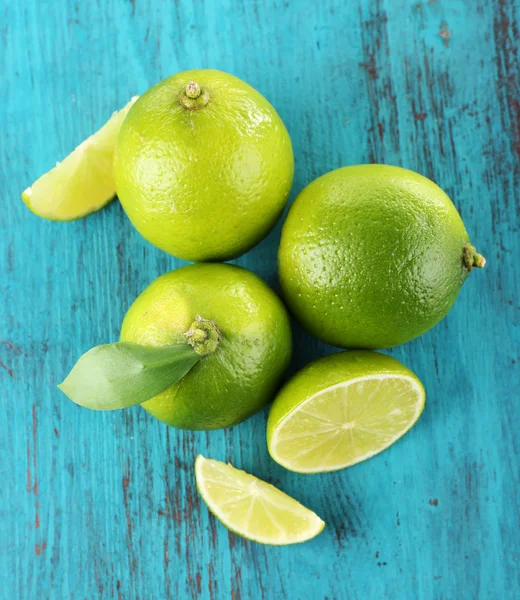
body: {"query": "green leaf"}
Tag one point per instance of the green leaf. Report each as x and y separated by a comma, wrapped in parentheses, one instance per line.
(120, 375)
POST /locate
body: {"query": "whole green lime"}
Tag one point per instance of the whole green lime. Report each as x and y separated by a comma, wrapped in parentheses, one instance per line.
(242, 369)
(203, 165)
(372, 256)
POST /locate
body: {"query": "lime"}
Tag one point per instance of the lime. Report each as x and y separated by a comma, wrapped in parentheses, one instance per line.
(238, 325)
(341, 410)
(372, 256)
(84, 181)
(253, 508)
(203, 166)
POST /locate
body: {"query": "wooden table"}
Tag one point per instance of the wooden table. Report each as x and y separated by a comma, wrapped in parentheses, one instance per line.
(104, 505)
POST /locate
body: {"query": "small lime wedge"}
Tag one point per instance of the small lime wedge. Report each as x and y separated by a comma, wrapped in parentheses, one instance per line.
(253, 508)
(341, 410)
(83, 182)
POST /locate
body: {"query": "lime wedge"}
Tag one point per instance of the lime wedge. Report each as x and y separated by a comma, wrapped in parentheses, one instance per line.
(83, 182)
(341, 410)
(253, 508)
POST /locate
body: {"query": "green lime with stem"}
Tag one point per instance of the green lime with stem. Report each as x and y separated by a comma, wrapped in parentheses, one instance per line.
(372, 256)
(203, 347)
(203, 165)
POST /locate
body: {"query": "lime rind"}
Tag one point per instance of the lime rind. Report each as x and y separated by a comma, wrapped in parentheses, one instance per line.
(285, 520)
(289, 462)
(83, 182)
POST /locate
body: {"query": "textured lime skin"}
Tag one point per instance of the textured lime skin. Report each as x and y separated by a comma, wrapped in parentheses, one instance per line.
(371, 256)
(242, 375)
(325, 372)
(204, 184)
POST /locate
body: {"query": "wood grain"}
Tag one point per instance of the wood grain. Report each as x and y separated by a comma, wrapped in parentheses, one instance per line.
(104, 505)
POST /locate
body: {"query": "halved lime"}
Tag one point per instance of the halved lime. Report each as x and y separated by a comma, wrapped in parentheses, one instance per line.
(253, 508)
(83, 182)
(341, 410)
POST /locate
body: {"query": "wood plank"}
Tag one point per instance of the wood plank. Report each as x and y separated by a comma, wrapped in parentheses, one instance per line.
(104, 505)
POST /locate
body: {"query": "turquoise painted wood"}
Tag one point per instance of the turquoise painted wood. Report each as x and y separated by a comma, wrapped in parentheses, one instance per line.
(104, 505)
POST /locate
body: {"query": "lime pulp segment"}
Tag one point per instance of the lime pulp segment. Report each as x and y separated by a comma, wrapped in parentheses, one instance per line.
(253, 508)
(347, 423)
(83, 182)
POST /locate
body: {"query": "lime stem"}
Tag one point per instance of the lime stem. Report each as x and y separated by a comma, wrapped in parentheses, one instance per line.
(193, 90)
(479, 261)
(193, 96)
(203, 336)
(198, 335)
(472, 258)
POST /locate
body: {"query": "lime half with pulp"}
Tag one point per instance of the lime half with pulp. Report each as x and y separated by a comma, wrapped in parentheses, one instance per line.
(253, 508)
(84, 181)
(341, 410)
